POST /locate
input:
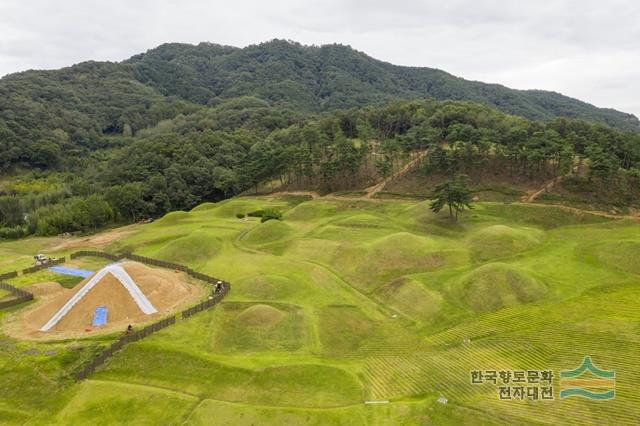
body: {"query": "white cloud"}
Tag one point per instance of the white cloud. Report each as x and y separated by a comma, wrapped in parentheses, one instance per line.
(585, 49)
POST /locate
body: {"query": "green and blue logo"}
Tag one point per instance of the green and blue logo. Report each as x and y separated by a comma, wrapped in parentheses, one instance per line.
(599, 384)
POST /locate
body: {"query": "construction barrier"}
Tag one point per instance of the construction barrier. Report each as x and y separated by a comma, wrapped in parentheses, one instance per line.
(22, 296)
(219, 291)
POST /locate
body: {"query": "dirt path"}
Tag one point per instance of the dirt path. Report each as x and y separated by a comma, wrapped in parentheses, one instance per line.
(373, 190)
(633, 216)
(312, 194)
(548, 186)
(98, 240)
(369, 193)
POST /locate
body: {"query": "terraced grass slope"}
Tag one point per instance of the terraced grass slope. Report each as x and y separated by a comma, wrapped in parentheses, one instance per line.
(345, 302)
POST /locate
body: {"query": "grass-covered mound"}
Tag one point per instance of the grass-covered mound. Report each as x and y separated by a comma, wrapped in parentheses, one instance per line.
(311, 210)
(260, 316)
(364, 220)
(191, 249)
(314, 248)
(267, 287)
(314, 328)
(354, 234)
(173, 218)
(621, 255)
(344, 329)
(267, 232)
(302, 385)
(121, 403)
(410, 298)
(495, 286)
(203, 207)
(499, 241)
(257, 327)
(543, 216)
(231, 207)
(371, 265)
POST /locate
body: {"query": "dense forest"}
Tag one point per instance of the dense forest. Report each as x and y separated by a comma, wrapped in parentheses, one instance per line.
(214, 153)
(101, 143)
(46, 115)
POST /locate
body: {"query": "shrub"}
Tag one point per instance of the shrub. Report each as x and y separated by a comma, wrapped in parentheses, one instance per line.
(13, 233)
(240, 215)
(269, 214)
(257, 213)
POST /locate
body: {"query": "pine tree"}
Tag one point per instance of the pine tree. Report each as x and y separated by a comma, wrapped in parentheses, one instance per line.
(455, 195)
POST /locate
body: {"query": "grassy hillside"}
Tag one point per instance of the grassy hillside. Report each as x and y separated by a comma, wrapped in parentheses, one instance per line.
(347, 301)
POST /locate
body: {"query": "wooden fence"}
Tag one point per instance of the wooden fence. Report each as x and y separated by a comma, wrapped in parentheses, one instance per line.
(211, 302)
(8, 275)
(44, 266)
(219, 291)
(118, 344)
(93, 253)
(150, 261)
(22, 296)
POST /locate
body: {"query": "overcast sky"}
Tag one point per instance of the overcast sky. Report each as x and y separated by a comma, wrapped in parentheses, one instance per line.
(587, 49)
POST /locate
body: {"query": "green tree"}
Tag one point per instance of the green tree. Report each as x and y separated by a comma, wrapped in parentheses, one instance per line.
(455, 195)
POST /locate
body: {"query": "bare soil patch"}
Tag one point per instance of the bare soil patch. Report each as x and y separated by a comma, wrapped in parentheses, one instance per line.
(98, 240)
(167, 290)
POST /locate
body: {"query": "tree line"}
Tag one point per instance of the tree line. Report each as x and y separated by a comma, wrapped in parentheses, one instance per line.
(215, 153)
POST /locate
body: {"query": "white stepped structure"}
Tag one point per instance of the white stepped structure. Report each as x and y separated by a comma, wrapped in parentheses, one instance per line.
(125, 279)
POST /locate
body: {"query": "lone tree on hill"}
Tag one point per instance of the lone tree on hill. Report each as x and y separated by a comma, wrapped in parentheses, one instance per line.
(454, 194)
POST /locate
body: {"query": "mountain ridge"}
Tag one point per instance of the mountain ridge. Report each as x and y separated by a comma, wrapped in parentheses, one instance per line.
(404, 82)
(308, 78)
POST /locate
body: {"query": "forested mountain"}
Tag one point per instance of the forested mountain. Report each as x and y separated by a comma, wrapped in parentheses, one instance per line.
(96, 143)
(43, 113)
(333, 77)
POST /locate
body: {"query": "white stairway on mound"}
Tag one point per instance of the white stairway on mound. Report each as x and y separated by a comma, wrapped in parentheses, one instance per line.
(125, 279)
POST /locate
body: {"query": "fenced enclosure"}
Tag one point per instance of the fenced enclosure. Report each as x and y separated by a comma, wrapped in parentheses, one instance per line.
(21, 296)
(37, 268)
(118, 344)
(220, 289)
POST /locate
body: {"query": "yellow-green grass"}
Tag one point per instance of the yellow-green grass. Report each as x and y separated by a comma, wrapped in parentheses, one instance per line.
(344, 302)
(371, 264)
(411, 298)
(43, 276)
(194, 248)
(295, 384)
(121, 403)
(267, 232)
(495, 286)
(255, 327)
(310, 211)
(621, 255)
(408, 413)
(500, 241)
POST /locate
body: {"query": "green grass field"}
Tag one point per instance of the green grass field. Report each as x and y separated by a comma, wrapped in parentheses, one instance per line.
(348, 301)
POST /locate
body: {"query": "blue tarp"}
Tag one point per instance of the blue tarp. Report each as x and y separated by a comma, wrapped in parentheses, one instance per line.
(71, 271)
(100, 316)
